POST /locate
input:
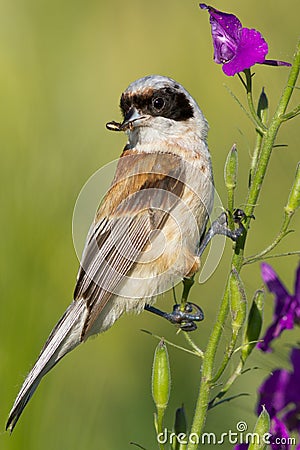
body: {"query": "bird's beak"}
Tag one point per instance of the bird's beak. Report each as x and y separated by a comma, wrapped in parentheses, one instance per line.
(131, 119)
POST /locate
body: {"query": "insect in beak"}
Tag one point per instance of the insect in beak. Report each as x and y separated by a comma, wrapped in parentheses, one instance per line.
(128, 123)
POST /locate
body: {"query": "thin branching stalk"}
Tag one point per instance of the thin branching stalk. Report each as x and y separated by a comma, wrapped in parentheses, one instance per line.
(259, 173)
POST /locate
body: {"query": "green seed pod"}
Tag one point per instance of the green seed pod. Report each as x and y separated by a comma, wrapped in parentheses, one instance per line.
(294, 197)
(261, 435)
(231, 167)
(161, 377)
(238, 301)
(254, 324)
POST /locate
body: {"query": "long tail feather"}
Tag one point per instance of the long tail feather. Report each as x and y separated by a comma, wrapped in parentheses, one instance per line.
(65, 336)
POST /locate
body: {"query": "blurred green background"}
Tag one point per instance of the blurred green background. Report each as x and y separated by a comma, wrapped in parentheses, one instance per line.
(64, 65)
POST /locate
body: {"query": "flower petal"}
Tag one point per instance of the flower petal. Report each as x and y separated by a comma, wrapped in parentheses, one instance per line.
(294, 387)
(228, 22)
(272, 333)
(292, 419)
(276, 62)
(295, 358)
(284, 318)
(287, 307)
(235, 47)
(280, 435)
(297, 284)
(297, 296)
(252, 49)
(273, 282)
(226, 33)
(273, 392)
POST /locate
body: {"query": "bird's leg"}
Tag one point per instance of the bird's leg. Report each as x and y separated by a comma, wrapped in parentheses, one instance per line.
(185, 319)
(186, 313)
(220, 226)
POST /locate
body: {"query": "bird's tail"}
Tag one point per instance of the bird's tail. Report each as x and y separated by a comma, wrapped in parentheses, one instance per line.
(65, 336)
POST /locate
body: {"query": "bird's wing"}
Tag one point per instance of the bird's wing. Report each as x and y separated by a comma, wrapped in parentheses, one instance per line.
(129, 212)
(145, 189)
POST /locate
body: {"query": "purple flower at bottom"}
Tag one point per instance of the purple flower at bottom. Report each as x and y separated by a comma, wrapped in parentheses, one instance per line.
(235, 47)
(279, 434)
(280, 394)
(287, 306)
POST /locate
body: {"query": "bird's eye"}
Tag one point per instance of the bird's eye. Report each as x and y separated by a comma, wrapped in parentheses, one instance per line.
(158, 103)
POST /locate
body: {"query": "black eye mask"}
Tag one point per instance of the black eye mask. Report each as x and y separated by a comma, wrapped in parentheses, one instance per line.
(165, 102)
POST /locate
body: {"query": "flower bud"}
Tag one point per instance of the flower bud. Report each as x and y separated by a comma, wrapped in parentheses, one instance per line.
(180, 425)
(294, 197)
(238, 301)
(231, 166)
(161, 378)
(254, 324)
(261, 431)
(262, 107)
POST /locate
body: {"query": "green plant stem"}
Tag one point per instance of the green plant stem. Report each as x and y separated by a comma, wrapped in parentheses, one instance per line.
(277, 255)
(283, 232)
(227, 356)
(261, 128)
(292, 113)
(230, 207)
(255, 156)
(207, 370)
(240, 104)
(159, 426)
(237, 372)
(196, 350)
(237, 259)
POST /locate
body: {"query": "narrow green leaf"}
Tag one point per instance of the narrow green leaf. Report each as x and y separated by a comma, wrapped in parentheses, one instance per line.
(254, 324)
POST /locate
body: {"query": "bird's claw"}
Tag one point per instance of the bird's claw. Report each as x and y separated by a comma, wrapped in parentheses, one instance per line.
(186, 318)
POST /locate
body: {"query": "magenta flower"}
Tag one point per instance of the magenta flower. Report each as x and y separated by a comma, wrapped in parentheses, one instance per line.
(280, 394)
(280, 435)
(287, 306)
(235, 47)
